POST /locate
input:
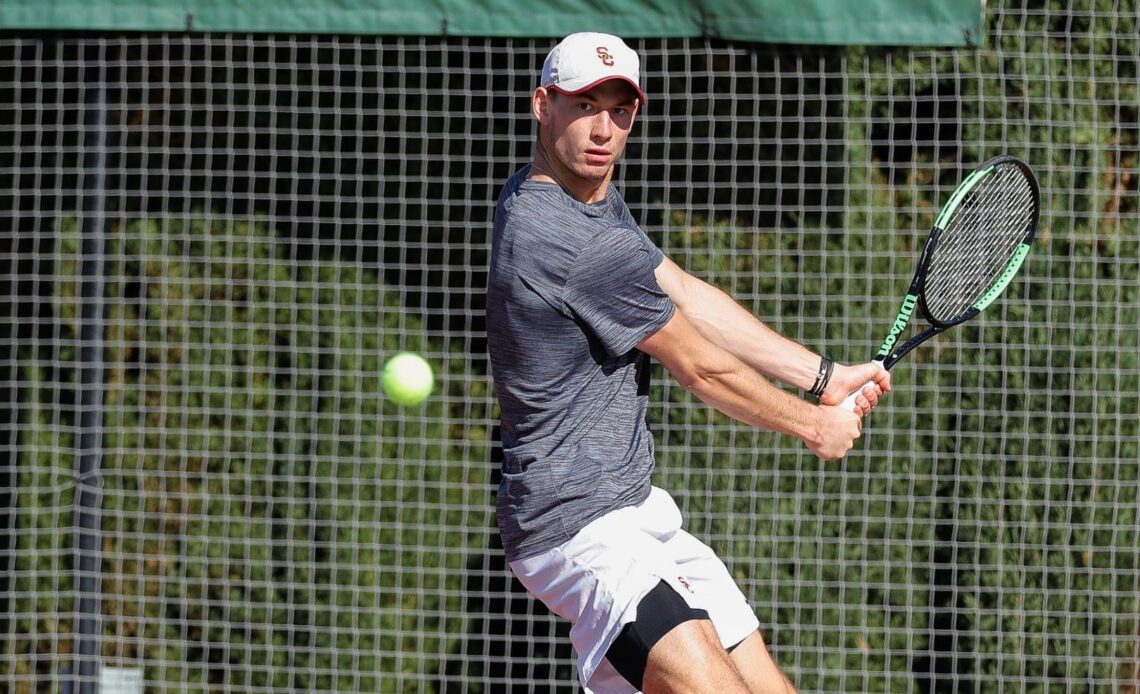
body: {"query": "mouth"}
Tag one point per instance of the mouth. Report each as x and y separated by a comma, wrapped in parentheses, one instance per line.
(597, 157)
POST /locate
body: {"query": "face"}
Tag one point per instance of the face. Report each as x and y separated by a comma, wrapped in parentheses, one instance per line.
(583, 136)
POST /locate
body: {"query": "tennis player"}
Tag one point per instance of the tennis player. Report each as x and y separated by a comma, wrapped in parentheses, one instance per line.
(578, 300)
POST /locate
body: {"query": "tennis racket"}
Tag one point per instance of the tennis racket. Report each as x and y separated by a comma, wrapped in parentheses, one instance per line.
(979, 241)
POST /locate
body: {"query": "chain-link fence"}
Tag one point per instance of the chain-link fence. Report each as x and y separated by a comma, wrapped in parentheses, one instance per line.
(215, 241)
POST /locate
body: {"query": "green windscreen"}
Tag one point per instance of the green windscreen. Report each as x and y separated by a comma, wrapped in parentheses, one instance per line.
(837, 22)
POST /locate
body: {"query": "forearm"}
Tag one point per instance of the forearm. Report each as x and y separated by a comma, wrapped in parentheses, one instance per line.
(738, 390)
(727, 324)
(728, 385)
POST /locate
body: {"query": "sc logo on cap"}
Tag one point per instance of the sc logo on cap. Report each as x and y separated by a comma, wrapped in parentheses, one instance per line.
(605, 56)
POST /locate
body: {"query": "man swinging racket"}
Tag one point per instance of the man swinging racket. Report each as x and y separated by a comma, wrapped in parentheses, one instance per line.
(578, 301)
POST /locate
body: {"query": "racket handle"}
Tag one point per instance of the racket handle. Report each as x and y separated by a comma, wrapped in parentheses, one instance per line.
(849, 402)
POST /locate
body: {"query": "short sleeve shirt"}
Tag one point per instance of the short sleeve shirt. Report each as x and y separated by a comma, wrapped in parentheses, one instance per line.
(571, 293)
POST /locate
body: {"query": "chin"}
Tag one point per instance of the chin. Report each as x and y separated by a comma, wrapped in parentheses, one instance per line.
(594, 173)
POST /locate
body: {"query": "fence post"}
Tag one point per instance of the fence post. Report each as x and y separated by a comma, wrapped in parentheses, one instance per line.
(89, 483)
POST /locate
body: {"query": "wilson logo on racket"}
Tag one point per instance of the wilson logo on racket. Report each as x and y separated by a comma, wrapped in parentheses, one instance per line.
(901, 320)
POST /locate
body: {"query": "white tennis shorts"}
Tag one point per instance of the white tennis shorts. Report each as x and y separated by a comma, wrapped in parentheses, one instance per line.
(596, 580)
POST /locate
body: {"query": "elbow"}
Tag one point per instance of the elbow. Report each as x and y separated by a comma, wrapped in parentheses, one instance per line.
(697, 377)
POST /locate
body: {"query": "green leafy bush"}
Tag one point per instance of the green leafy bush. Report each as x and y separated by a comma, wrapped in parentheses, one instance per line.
(268, 518)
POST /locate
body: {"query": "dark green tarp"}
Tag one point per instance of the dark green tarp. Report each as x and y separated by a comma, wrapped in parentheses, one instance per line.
(880, 22)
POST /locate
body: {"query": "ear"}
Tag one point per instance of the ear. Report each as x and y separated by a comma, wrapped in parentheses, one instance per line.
(540, 105)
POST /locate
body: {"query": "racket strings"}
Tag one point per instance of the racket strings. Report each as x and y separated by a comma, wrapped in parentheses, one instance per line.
(979, 239)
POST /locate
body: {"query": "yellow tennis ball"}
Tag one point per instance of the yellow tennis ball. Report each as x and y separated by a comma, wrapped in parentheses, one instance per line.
(407, 379)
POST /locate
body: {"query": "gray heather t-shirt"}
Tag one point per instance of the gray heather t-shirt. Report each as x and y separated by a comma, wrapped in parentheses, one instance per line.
(570, 294)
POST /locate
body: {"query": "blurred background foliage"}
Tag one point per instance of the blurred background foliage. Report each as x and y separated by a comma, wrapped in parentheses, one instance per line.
(271, 522)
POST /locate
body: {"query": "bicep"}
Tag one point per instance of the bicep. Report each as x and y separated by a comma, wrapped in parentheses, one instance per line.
(680, 345)
(690, 293)
(673, 280)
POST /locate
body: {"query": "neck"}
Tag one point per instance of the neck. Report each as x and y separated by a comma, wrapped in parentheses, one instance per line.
(544, 167)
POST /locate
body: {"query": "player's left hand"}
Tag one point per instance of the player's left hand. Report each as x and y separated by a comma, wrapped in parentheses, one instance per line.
(876, 381)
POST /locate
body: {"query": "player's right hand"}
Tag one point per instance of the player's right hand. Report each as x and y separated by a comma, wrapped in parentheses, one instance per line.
(871, 380)
(836, 432)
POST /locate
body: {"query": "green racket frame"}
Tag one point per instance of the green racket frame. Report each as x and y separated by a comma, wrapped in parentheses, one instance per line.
(890, 351)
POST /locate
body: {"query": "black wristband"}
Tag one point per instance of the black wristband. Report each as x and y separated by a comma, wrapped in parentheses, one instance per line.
(823, 377)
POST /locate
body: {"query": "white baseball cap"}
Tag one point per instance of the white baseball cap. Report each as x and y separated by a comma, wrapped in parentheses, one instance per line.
(584, 60)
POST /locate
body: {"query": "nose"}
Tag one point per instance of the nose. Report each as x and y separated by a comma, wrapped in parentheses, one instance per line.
(603, 126)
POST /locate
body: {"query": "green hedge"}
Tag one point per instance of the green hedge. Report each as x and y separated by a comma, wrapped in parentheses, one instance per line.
(269, 519)
(265, 506)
